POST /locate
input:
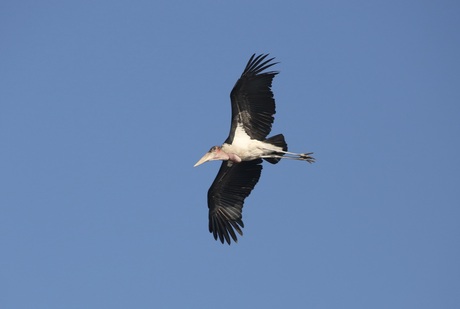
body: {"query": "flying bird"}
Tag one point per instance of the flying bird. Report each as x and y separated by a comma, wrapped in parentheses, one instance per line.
(253, 108)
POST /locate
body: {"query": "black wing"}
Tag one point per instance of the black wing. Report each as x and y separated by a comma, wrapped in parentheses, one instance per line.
(226, 197)
(253, 104)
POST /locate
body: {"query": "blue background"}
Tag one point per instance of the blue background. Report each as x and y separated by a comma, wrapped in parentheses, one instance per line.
(106, 105)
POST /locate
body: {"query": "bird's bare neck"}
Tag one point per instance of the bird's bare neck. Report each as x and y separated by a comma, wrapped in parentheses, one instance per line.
(230, 152)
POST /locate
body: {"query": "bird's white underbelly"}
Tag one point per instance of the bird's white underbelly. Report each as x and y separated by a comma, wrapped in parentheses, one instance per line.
(246, 148)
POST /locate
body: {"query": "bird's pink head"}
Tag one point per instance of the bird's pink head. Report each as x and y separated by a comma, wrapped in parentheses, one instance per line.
(215, 153)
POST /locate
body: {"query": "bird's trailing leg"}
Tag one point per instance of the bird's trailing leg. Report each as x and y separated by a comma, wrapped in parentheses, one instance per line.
(292, 155)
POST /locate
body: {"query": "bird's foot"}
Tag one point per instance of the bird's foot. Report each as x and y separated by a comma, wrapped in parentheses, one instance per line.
(307, 157)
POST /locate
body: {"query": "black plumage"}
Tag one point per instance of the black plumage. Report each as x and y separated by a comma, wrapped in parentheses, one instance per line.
(253, 104)
(233, 183)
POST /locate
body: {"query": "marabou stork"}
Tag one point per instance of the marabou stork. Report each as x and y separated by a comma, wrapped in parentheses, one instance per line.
(253, 108)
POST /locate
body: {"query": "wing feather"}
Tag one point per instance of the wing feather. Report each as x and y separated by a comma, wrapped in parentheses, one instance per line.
(253, 104)
(226, 198)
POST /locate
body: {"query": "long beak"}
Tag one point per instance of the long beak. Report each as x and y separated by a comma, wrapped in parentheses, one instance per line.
(207, 157)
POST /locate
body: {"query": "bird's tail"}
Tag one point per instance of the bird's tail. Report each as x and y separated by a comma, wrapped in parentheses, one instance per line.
(278, 141)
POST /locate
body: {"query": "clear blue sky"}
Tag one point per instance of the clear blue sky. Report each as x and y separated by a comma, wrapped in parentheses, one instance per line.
(106, 105)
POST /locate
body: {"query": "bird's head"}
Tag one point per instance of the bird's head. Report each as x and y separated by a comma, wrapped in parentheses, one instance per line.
(215, 153)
